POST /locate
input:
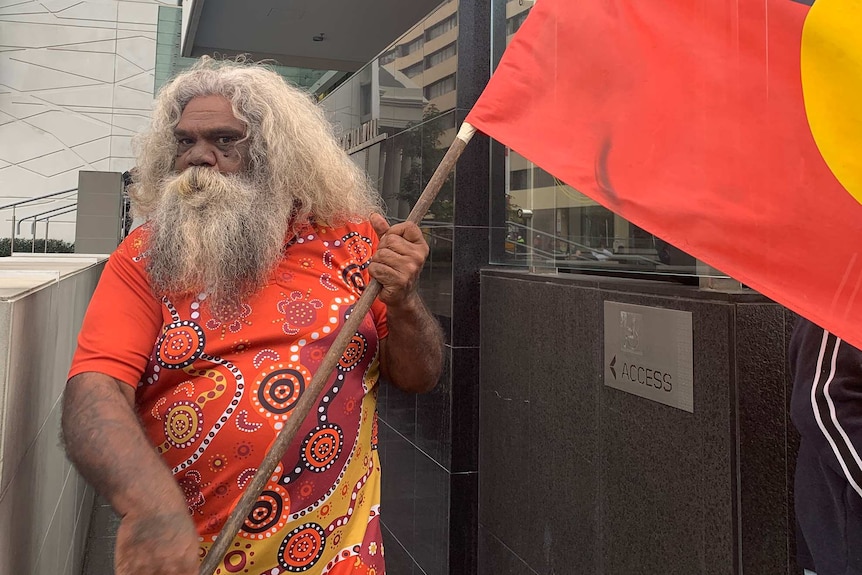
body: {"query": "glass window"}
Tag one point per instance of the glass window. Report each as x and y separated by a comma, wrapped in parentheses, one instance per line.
(441, 28)
(412, 46)
(365, 99)
(414, 70)
(530, 178)
(440, 87)
(440, 55)
(514, 23)
(547, 223)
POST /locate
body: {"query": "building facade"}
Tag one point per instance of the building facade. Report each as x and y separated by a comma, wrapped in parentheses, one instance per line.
(76, 83)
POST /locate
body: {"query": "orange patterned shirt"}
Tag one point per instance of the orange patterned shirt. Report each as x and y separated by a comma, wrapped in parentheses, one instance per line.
(212, 395)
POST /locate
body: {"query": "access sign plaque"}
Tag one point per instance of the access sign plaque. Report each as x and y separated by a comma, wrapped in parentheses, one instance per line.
(648, 353)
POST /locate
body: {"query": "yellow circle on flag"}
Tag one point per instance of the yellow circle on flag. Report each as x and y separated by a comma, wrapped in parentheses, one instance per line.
(832, 86)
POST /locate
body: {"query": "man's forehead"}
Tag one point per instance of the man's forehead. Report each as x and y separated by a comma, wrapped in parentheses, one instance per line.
(208, 109)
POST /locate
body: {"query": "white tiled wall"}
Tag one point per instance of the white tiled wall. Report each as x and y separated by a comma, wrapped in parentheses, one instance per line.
(76, 82)
(44, 505)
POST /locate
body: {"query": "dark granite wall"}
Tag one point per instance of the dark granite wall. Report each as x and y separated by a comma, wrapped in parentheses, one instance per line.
(577, 477)
(429, 443)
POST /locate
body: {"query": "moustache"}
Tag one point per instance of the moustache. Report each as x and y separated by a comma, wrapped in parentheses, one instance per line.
(197, 184)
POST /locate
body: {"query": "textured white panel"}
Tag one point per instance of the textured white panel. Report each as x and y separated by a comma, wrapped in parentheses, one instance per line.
(65, 181)
(81, 70)
(54, 164)
(120, 131)
(94, 151)
(71, 129)
(137, 27)
(148, 35)
(105, 117)
(121, 164)
(20, 142)
(131, 98)
(122, 34)
(106, 46)
(41, 36)
(18, 182)
(106, 12)
(133, 123)
(121, 147)
(26, 77)
(58, 5)
(139, 51)
(138, 13)
(54, 20)
(123, 69)
(101, 96)
(21, 8)
(144, 83)
(97, 66)
(21, 107)
(133, 111)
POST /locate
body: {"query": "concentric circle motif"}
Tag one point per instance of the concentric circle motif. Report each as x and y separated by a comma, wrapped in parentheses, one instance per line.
(279, 389)
(352, 276)
(180, 345)
(358, 247)
(235, 561)
(321, 447)
(354, 353)
(302, 548)
(269, 513)
(184, 422)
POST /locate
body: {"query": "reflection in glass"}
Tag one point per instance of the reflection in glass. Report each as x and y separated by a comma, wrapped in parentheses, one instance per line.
(550, 224)
(396, 119)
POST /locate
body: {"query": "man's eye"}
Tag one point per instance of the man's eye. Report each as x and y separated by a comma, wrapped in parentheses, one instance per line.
(184, 141)
(225, 140)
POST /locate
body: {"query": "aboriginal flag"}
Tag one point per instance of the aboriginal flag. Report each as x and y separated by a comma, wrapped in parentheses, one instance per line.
(730, 128)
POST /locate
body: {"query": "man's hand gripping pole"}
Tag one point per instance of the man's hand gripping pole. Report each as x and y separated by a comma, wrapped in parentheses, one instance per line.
(309, 397)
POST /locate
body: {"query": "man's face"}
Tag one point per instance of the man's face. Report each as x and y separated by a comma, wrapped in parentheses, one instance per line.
(209, 135)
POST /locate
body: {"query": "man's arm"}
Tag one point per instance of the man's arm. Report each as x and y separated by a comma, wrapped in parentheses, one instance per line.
(411, 356)
(108, 446)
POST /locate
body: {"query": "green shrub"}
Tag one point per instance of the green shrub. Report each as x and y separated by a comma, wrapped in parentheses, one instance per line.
(26, 246)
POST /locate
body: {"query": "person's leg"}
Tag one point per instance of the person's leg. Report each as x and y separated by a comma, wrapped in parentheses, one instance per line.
(821, 511)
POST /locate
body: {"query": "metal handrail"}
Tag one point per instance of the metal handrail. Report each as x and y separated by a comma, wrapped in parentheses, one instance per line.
(34, 216)
(69, 210)
(14, 205)
(47, 220)
(28, 200)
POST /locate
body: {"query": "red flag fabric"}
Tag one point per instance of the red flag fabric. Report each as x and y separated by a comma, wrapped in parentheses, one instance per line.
(730, 128)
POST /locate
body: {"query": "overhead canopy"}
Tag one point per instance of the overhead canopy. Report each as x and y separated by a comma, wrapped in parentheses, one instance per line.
(353, 33)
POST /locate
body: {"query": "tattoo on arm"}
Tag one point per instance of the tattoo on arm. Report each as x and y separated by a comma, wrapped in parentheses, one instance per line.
(107, 444)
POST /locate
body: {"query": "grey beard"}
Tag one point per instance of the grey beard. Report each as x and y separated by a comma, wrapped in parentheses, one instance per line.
(222, 234)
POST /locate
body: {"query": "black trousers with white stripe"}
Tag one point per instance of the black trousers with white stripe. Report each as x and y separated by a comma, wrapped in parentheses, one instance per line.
(827, 410)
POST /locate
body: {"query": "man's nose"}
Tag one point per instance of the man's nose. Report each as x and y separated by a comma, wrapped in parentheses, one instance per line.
(202, 154)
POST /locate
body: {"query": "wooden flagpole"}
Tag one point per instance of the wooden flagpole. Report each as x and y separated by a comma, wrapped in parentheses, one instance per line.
(309, 397)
